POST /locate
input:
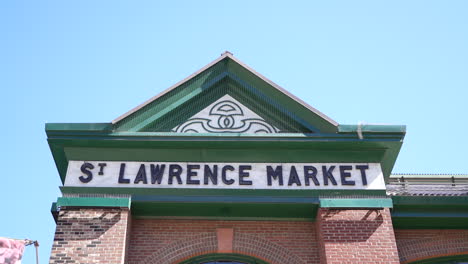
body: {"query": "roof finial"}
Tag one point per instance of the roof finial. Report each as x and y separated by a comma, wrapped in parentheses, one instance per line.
(227, 53)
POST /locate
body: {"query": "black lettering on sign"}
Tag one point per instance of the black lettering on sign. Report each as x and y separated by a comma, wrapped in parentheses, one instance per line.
(141, 175)
(310, 172)
(293, 177)
(175, 171)
(224, 172)
(363, 169)
(122, 174)
(157, 173)
(273, 174)
(328, 175)
(211, 174)
(191, 173)
(101, 168)
(86, 170)
(244, 174)
(345, 174)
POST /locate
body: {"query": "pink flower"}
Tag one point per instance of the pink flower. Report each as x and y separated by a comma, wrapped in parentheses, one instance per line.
(11, 251)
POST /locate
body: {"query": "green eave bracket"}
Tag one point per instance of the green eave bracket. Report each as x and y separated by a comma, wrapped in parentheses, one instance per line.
(93, 202)
(356, 203)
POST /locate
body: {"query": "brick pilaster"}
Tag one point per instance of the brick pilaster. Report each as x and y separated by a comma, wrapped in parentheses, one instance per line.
(90, 235)
(356, 236)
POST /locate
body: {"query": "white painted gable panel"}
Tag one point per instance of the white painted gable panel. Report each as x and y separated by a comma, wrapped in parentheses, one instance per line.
(226, 115)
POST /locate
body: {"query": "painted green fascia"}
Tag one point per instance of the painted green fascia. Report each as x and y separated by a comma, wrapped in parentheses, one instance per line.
(225, 207)
(108, 127)
(456, 259)
(356, 203)
(54, 211)
(187, 194)
(220, 136)
(91, 127)
(424, 214)
(399, 129)
(430, 212)
(211, 210)
(224, 199)
(429, 222)
(93, 202)
(53, 208)
(431, 201)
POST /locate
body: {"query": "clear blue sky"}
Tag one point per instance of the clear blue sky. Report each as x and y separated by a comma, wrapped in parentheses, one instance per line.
(394, 62)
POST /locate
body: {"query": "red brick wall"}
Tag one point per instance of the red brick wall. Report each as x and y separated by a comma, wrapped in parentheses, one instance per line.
(90, 235)
(423, 244)
(170, 241)
(356, 236)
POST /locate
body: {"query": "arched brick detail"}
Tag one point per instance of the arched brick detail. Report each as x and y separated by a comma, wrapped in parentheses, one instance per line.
(151, 237)
(255, 246)
(206, 243)
(184, 248)
(416, 245)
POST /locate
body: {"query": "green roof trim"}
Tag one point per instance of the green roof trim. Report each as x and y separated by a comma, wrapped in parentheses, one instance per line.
(356, 203)
(93, 202)
(231, 211)
(454, 259)
(90, 127)
(188, 195)
(431, 201)
(430, 212)
(372, 128)
(54, 211)
(83, 129)
(225, 199)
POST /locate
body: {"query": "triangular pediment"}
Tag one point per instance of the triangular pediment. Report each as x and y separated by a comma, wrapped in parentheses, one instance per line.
(225, 112)
(226, 96)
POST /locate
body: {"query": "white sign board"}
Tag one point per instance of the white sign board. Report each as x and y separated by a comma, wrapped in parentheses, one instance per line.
(194, 175)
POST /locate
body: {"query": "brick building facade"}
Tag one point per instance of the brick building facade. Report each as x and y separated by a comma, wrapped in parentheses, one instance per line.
(228, 167)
